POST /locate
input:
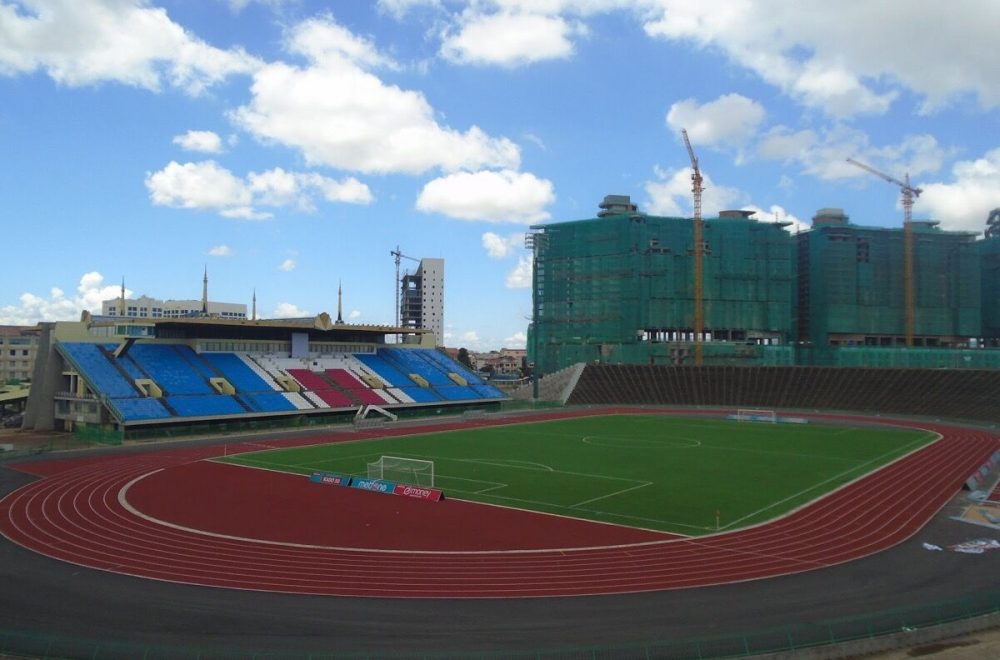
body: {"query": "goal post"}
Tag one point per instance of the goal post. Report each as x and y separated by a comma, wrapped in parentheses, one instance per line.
(413, 471)
(756, 415)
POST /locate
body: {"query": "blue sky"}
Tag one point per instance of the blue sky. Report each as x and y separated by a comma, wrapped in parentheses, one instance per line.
(290, 145)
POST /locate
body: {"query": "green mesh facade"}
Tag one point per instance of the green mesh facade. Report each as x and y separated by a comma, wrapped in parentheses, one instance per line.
(851, 286)
(989, 253)
(620, 289)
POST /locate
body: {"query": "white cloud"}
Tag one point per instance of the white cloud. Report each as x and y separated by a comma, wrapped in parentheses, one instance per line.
(470, 336)
(781, 143)
(339, 114)
(670, 195)
(221, 251)
(777, 213)
(206, 141)
(498, 247)
(209, 186)
(852, 57)
(90, 293)
(322, 39)
(354, 314)
(239, 5)
(287, 265)
(517, 340)
(510, 39)
(85, 43)
(732, 118)
(289, 311)
(520, 277)
(824, 154)
(505, 196)
(965, 202)
(398, 9)
(203, 185)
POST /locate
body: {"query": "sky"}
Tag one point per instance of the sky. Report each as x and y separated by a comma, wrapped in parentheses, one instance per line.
(289, 146)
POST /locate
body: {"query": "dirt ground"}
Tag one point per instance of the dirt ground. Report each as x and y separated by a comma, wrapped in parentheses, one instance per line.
(977, 646)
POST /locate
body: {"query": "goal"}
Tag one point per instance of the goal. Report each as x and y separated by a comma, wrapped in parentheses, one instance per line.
(412, 471)
(754, 415)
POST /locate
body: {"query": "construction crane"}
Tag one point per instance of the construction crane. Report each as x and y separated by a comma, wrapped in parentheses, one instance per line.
(399, 256)
(696, 189)
(909, 194)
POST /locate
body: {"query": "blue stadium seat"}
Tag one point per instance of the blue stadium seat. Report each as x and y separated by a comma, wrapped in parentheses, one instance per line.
(457, 392)
(386, 372)
(450, 365)
(267, 402)
(487, 391)
(409, 361)
(169, 370)
(133, 410)
(98, 371)
(130, 367)
(236, 371)
(205, 406)
(421, 394)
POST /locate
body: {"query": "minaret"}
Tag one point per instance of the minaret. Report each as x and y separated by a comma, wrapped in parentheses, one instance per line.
(340, 304)
(121, 300)
(204, 293)
(253, 315)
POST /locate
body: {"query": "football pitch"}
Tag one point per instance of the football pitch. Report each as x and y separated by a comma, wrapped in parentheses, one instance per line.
(673, 474)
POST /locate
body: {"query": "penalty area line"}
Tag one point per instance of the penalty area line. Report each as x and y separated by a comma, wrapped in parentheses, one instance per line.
(618, 492)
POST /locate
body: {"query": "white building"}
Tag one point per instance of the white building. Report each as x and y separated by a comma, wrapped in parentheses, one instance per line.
(151, 308)
(421, 298)
(146, 307)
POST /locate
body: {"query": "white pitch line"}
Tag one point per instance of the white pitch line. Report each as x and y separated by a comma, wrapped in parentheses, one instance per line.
(507, 462)
(601, 497)
(857, 467)
(498, 486)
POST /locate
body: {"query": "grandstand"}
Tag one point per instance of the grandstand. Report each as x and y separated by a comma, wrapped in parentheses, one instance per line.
(115, 375)
(937, 393)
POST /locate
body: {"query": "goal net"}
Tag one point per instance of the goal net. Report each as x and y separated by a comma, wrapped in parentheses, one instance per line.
(754, 415)
(412, 471)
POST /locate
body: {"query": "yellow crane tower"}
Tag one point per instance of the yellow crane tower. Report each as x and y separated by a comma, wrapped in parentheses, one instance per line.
(909, 193)
(696, 189)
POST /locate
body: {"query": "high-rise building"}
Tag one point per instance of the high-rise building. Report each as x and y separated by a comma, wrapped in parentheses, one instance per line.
(989, 252)
(851, 285)
(421, 298)
(620, 288)
(18, 347)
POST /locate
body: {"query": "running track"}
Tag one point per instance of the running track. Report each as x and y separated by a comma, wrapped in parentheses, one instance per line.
(87, 512)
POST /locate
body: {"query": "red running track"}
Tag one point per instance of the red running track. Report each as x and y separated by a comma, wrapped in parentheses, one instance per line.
(170, 515)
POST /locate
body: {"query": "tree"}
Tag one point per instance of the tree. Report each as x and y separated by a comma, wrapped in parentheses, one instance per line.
(463, 357)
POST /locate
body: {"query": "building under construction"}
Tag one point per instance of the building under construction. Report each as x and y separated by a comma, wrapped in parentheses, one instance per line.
(989, 255)
(851, 288)
(620, 288)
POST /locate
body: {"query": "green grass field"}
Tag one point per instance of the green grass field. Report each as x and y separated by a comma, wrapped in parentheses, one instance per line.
(664, 473)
